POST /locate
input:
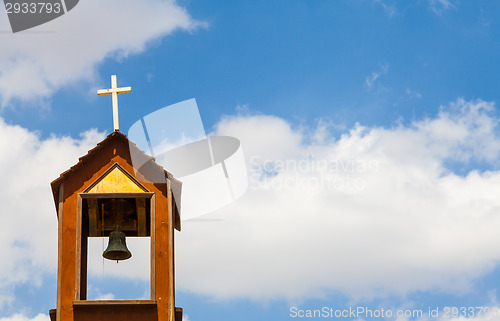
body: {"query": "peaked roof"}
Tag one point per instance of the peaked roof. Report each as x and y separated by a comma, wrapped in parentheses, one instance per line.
(175, 184)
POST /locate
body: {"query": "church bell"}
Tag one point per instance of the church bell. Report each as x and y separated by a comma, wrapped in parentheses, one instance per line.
(117, 248)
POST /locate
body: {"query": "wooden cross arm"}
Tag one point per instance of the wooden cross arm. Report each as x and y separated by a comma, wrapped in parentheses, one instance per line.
(114, 90)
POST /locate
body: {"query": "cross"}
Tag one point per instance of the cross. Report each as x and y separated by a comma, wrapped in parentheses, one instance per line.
(114, 91)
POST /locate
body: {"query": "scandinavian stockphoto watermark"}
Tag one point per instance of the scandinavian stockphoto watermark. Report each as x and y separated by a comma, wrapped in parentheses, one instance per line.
(26, 14)
(311, 173)
(212, 169)
(363, 312)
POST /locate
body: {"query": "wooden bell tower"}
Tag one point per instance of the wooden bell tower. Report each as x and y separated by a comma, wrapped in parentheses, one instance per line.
(102, 190)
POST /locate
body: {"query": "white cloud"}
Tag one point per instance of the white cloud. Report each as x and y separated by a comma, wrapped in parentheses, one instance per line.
(107, 296)
(22, 317)
(374, 76)
(413, 94)
(385, 217)
(28, 232)
(440, 6)
(34, 64)
(388, 8)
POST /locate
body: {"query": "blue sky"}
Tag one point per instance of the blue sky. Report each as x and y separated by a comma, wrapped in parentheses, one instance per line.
(398, 98)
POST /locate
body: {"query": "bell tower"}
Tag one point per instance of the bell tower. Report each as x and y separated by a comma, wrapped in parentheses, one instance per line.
(104, 194)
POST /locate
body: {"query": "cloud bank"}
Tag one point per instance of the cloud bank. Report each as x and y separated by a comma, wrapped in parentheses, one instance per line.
(375, 212)
(28, 232)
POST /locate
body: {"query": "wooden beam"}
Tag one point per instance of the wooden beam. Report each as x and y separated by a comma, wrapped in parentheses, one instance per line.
(59, 250)
(153, 247)
(84, 259)
(78, 263)
(170, 252)
(92, 213)
(115, 195)
(140, 204)
(113, 302)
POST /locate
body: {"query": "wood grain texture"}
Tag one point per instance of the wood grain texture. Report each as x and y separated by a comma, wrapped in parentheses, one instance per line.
(163, 254)
(59, 249)
(78, 246)
(171, 295)
(140, 204)
(153, 247)
(92, 213)
(68, 256)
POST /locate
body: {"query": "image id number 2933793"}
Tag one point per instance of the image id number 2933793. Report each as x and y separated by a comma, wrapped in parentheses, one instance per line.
(33, 7)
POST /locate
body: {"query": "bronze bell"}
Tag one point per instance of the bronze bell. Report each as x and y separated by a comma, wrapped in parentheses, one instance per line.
(117, 248)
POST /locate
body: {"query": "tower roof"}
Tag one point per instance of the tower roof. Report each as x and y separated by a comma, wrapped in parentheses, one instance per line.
(110, 141)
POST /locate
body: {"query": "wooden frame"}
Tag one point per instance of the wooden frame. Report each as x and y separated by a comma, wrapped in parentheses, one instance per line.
(78, 252)
(80, 191)
(116, 195)
(109, 170)
(59, 249)
(153, 247)
(81, 247)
